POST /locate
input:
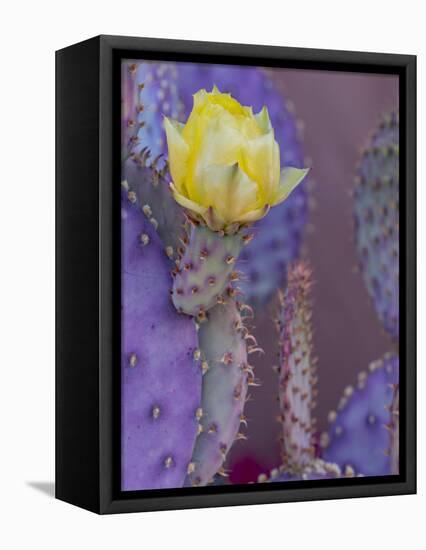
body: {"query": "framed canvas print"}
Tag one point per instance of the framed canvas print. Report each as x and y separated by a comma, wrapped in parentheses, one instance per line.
(235, 274)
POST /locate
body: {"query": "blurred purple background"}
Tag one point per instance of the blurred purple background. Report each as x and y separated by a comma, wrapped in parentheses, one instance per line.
(337, 111)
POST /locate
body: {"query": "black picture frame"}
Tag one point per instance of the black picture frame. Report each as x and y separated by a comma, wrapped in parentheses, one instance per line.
(88, 274)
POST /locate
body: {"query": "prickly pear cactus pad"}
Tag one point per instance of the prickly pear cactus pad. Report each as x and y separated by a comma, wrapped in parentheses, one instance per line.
(161, 376)
(224, 362)
(206, 270)
(148, 92)
(358, 436)
(155, 200)
(376, 207)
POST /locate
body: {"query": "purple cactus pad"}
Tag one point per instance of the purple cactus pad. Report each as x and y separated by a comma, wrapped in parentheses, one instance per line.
(161, 378)
(358, 436)
(149, 92)
(376, 216)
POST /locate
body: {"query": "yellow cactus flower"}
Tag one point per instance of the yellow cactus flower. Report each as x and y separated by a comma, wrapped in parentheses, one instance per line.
(225, 162)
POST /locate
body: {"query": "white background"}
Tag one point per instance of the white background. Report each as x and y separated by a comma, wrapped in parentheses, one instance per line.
(29, 34)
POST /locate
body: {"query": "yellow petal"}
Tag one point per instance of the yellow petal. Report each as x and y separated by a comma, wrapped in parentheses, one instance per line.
(229, 191)
(214, 220)
(290, 178)
(226, 101)
(187, 203)
(221, 145)
(214, 140)
(263, 120)
(255, 215)
(249, 127)
(261, 161)
(200, 99)
(178, 153)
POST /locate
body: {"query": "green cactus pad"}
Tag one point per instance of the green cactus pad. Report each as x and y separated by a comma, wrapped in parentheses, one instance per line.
(223, 355)
(205, 271)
